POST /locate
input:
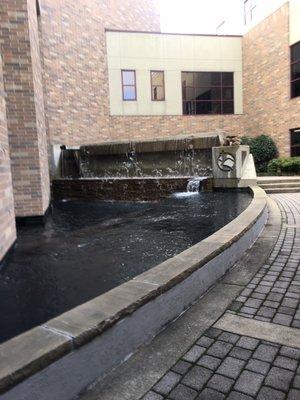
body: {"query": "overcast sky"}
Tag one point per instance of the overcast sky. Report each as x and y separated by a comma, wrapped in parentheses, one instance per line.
(202, 16)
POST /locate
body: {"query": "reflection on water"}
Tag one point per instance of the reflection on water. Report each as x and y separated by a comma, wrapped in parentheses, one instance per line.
(87, 248)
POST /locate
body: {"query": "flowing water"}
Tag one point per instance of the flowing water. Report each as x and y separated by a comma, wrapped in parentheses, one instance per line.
(87, 248)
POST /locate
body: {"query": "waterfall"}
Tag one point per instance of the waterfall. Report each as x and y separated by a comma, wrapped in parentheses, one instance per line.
(194, 185)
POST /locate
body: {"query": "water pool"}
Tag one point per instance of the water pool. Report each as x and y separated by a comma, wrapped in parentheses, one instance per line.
(88, 247)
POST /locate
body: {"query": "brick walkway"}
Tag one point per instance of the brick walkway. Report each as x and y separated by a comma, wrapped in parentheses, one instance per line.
(224, 365)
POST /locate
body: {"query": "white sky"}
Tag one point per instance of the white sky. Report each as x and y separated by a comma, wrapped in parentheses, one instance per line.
(202, 16)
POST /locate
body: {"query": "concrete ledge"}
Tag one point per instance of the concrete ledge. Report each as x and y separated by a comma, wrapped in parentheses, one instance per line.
(90, 340)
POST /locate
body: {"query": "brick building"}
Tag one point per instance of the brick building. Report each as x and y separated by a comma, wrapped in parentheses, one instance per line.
(62, 65)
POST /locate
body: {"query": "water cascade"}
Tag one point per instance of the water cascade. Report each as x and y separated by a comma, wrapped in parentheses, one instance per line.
(194, 185)
(168, 157)
(140, 170)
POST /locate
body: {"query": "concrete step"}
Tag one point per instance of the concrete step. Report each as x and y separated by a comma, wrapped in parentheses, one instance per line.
(283, 190)
(262, 181)
(279, 185)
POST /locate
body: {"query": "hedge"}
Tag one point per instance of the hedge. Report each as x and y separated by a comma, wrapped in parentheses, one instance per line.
(286, 165)
(263, 149)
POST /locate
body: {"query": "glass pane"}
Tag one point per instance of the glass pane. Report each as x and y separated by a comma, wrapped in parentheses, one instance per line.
(228, 107)
(227, 93)
(208, 107)
(188, 93)
(184, 108)
(188, 107)
(295, 52)
(128, 77)
(296, 88)
(157, 78)
(295, 151)
(187, 78)
(295, 137)
(207, 78)
(128, 93)
(216, 107)
(296, 71)
(203, 107)
(227, 78)
(158, 93)
(207, 93)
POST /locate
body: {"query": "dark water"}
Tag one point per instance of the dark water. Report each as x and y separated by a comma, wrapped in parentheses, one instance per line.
(87, 248)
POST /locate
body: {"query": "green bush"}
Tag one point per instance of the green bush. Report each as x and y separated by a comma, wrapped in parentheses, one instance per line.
(282, 165)
(263, 149)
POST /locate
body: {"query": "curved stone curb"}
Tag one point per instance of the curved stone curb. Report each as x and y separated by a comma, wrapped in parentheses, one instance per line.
(70, 351)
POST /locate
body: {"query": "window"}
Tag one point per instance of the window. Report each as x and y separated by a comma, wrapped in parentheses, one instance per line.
(128, 85)
(295, 70)
(295, 142)
(157, 86)
(207, 93)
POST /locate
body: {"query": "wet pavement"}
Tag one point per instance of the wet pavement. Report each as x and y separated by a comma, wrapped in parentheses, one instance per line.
(87, 248)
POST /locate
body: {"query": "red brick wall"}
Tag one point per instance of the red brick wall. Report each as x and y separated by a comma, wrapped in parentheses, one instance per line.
(24, 106)
(140, 127)
(266, 78)
(7, 216)
(74, 52)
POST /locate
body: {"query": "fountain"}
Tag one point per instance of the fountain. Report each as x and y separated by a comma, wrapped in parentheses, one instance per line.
(140, 170)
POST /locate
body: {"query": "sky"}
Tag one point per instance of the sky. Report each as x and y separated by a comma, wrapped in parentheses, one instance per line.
(202, 16)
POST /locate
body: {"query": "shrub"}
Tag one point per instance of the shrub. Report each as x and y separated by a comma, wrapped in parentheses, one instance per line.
(263, 149)
(288, 165)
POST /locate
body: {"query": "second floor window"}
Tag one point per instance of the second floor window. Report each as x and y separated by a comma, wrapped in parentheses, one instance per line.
(207, 93)
(157, 86)
(128, 85)
(295, 70)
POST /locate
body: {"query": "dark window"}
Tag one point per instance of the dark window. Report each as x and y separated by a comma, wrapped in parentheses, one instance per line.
(295, 70)
(157, 86)
(207, 93)
(128, 85)
(295, 142)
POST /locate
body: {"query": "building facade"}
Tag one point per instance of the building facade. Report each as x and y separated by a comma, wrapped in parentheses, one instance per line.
(87, 72)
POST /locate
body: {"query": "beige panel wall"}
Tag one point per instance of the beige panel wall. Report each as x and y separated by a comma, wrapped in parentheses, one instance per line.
(294, 21)
(144, 52)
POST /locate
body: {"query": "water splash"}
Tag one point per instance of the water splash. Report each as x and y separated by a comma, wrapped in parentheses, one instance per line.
(194, 185)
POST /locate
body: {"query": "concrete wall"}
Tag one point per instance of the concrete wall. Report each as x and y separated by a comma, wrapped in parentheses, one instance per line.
(7, 220)
(24, 106)
(172, 54)
(268, 107)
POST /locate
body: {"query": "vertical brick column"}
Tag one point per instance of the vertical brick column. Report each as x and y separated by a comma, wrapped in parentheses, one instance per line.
(266, 78)
(7, 215)
(22, 75)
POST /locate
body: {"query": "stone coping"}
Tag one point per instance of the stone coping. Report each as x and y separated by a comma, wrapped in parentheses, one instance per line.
(33, 350)
(129, 178)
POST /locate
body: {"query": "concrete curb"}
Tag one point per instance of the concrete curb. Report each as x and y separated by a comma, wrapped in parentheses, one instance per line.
(63, 356)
